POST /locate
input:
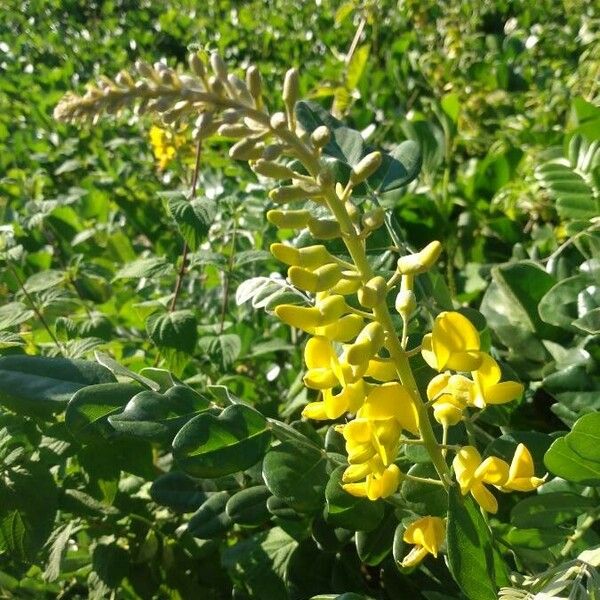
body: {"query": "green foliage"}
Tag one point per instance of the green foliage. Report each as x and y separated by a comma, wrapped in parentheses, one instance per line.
(149, 441)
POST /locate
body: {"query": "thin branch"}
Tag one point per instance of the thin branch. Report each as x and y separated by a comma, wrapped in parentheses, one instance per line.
(185, 250)
(35, 308)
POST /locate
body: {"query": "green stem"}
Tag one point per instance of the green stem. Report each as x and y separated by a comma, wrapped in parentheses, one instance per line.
(357, 252)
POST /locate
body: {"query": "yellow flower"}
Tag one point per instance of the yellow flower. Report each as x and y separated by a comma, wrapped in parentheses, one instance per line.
(452, 392)
(427, 534)
(164, 145)
(377, 485)
(521, 476)
(487, 389)
(325, 312)
(472, 473)
(391, 401)
(453, 344)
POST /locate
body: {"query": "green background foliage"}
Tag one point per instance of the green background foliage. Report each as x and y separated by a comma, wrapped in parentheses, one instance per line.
(153, 447)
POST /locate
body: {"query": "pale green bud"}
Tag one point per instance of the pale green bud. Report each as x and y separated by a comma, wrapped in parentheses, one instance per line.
(320, 136)
(365, 168)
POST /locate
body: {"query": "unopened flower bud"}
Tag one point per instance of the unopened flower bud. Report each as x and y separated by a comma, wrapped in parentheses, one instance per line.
(321, 279)
(291, 88)
(406, 302)
(324, 229)
(320, 136)
(373, 219)
(365, 168)
(367, 344)
(218, 66)
(273, 151)
(288, 219)
(234, 131)
(144, 69)
(253, 81)
(196, 65)
(287, 193)
(205, 125)
(278, 120)
(413, 264)
(272, 169)
(245, 149)
(373, 292)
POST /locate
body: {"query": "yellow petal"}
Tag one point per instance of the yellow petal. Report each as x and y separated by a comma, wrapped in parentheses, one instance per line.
(315, 411)
(447, 413)
(455, 342)
(356, 472)
(465, 463)
(427, 352)
(382, 369)
(437, 385)
(318, 353)
(521, 464)
(320, 379)
(488, 372)
(391, 400)
(367, 344)
(507, 391)
(356, 489)
(344, 329)
(384, 485)
(485, 498)
(429, 532)
(414, 557)
(358, 431)
(492, 470)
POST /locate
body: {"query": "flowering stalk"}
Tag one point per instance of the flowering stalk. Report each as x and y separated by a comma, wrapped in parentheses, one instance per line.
(355, 358)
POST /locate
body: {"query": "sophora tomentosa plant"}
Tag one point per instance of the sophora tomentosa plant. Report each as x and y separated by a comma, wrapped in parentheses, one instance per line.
(358, 359)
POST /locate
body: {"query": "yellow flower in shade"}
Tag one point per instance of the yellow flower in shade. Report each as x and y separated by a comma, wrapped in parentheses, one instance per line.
(428, 535)
(521, 477)
(377, 485)
(487, 389)
(453, 344)
(451, 393)
(320, 359)
(382, 369)
(391, 401)
(164, 145)
(472, 473)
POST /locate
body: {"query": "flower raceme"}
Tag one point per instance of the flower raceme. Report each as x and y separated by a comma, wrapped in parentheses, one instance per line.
(356, 361)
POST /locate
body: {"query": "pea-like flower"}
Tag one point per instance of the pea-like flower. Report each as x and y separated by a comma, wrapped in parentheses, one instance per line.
(521, 475)
(428, 534)
(488, 389)
(449, 394)
(472, 473)
(453, 344)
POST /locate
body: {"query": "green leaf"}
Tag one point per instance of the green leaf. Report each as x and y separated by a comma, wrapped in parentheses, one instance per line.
(559, 306)
(549, 510)
(350, 512)
(576, 457)
(373, 546)
(28, 508)
(110, 562)
(357, 66)
(193, 217)
(13, 314)
(158, 417)
(297, 475)
(211, 519)
(474, 561)
(178, 491)
(177, 330)
(424, 498)
(38, 386)
(213, 446)
(150, 268)
(590, 322)
(249, 507)
(398, 168)
(259, 563)
(89, 408)
(44, 280)
(346, 144)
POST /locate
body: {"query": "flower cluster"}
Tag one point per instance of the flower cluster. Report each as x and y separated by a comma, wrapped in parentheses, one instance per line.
(165, 144)
(356, 360)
